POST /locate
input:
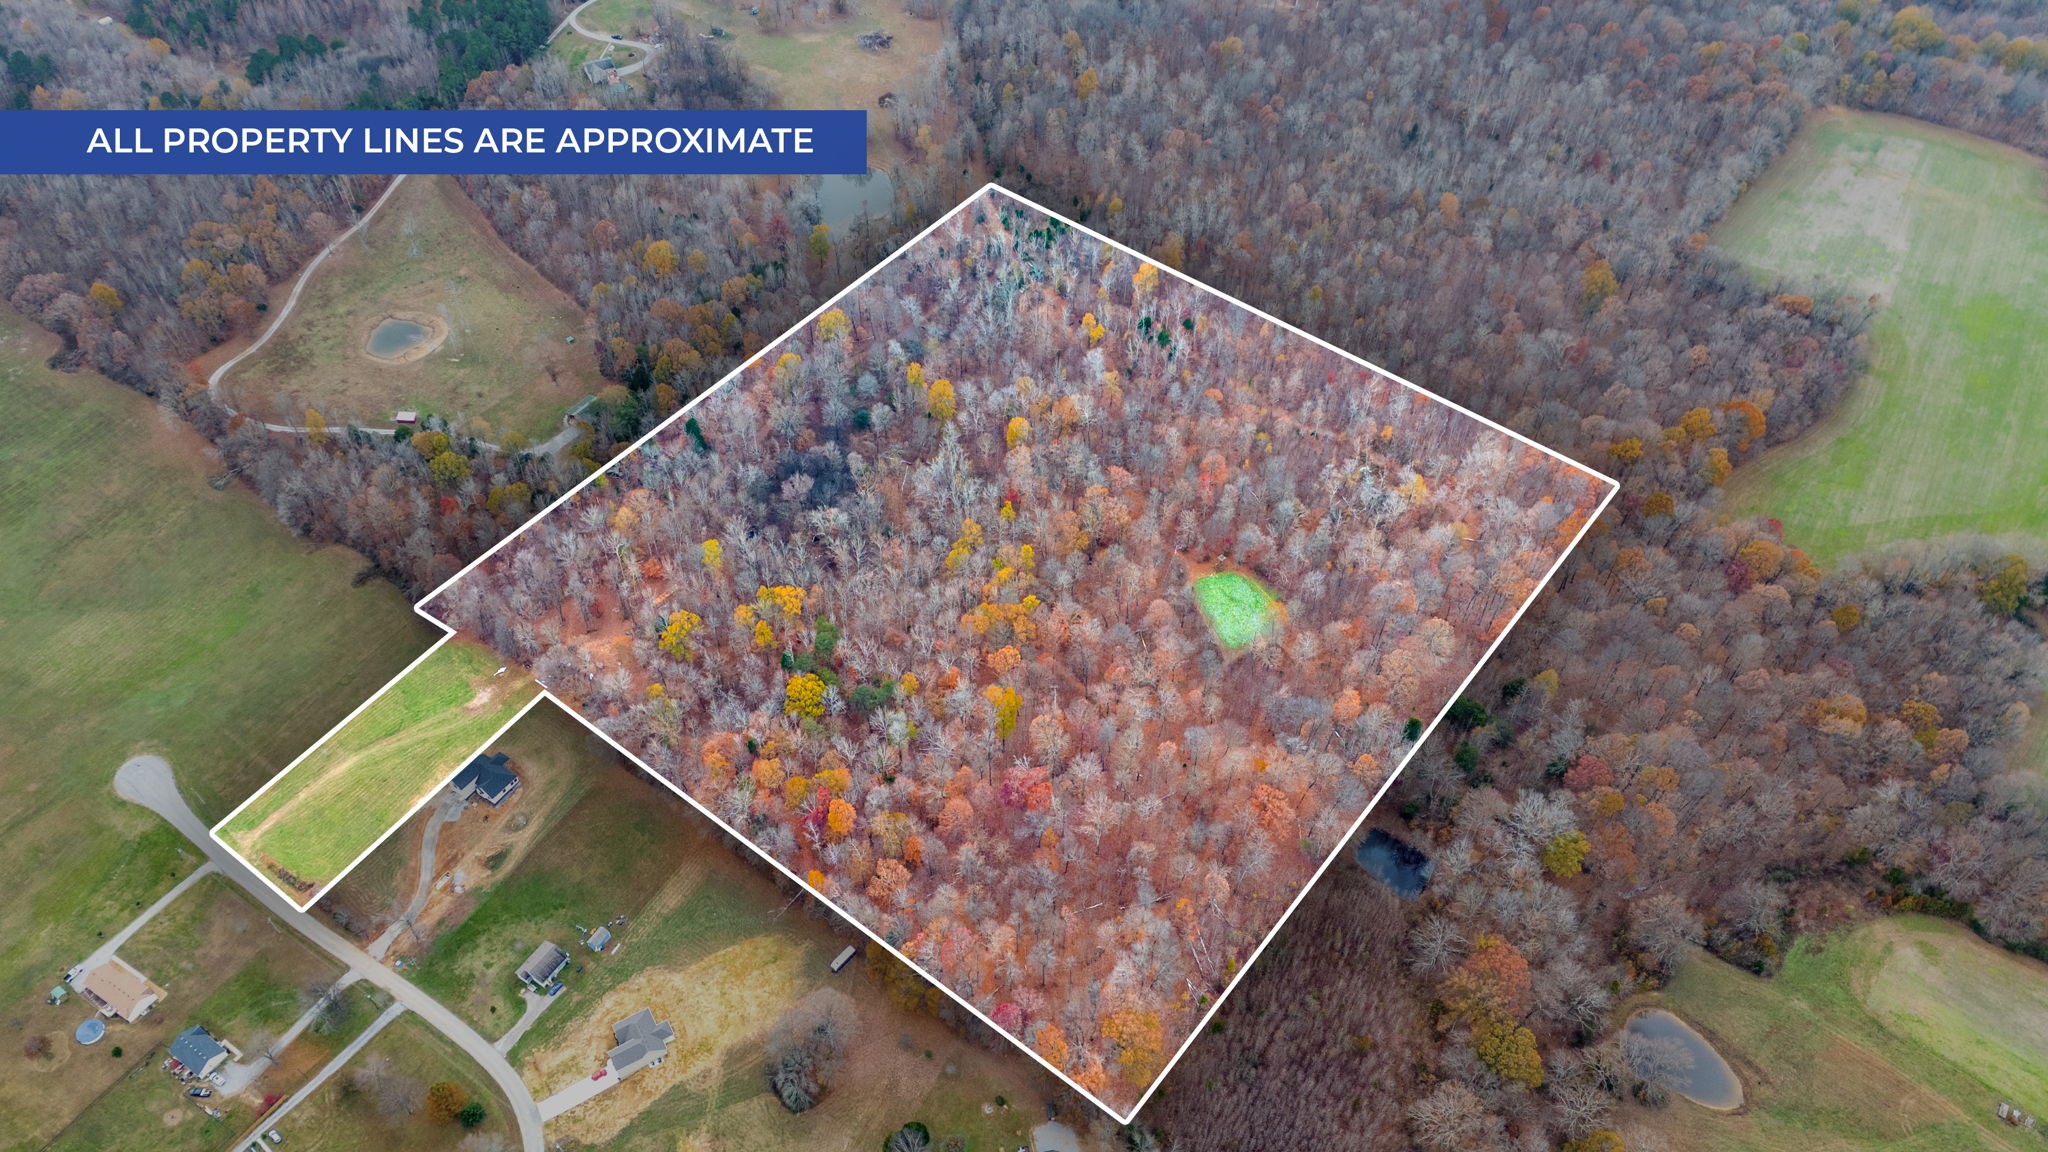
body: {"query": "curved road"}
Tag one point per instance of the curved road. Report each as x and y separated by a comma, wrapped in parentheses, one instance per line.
(554, 444)
(573, 22)
(147, 780)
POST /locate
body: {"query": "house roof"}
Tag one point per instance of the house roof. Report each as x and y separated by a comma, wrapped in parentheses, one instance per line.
(547, 959)
(118, 985)
(487, 774)
(638, 1036)
(195, 1047)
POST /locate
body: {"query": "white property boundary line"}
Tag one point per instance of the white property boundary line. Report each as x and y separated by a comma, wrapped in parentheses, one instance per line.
(432, 791)
(978, 198)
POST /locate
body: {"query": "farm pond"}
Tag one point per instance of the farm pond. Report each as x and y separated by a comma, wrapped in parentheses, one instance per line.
(1393, 862)
(1709, 1082)
(394, 337)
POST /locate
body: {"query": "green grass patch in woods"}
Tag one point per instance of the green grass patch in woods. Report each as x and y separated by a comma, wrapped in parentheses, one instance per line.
(1238, 607)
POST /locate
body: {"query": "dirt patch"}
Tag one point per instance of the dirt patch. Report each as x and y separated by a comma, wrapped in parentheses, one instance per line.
(729, 998)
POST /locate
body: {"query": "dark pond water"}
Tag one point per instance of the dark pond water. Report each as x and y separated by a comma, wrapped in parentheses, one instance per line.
(394, 336)
(1710, 1081)
(1395, 863)
(845, 200)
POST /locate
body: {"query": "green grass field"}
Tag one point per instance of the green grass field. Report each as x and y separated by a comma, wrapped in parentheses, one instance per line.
(506, 362)
(141, 610)
(1945, 435)
(1238, 607)
(333, 805)
(1904, 1033)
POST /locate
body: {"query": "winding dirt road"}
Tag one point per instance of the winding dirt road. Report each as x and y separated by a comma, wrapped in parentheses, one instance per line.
(552, 445)
(147, 780)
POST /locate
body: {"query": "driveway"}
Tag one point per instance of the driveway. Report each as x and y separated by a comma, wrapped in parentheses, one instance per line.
(573, 23)
(447, 810)
(112, 944)
(147, 780)
(575, 1094)
(535, 1005)
(328, 1070)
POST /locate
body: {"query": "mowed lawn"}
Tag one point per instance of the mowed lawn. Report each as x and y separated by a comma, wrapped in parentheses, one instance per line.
(346, 794)
(506, 364)
(1946, 433)
(142, 611)
(1904, 1033)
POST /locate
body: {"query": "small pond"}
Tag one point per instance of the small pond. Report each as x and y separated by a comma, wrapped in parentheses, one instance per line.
(846, 200)
(394, 337)
(1709, 1081)
(1397, 864)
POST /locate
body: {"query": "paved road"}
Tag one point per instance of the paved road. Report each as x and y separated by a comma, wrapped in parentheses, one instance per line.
(327, 1072)
(112, 944)
(573, 22)
(446, 811)
(147, 780)
(554, 444)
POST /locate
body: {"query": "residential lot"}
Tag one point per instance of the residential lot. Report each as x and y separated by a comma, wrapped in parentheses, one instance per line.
(311, 824)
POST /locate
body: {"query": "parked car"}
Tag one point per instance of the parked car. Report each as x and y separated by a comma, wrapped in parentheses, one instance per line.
(616, 36)
(199, 1093)
(600, 1073)
(274, 1136)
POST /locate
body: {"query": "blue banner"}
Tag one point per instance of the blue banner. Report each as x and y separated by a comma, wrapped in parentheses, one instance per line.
(341, 143)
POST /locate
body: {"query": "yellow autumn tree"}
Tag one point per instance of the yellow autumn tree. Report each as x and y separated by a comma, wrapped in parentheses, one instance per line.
(660, 259)
(939, 402)
(839, 817)
(833, 325)
(712, 553)
(675, 635)
(804, 696)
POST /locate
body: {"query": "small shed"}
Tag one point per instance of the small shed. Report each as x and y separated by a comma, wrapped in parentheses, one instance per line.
(407, 416)
(844, 958)
(599, 939)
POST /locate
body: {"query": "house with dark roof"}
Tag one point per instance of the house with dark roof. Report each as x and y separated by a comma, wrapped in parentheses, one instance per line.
(485, 777)
(195, 1051)
(638, 1042)
(543, 966)
(601, 72)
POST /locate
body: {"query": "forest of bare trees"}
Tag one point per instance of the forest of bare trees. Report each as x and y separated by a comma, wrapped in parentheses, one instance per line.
(911, 602)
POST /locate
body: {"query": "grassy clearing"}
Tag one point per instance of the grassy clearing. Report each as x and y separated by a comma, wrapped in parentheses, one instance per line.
(1945, 434)
(1900, 1034)
(140, 610)
(225, 965)
(341, 1117)
(333, 805)
(1238, 607)
(506, 364)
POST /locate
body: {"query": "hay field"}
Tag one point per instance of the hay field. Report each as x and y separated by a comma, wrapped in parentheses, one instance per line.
(1945, 434)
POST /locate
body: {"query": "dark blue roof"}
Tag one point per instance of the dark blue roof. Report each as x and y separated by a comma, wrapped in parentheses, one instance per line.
(487, 774)
(194, 1047)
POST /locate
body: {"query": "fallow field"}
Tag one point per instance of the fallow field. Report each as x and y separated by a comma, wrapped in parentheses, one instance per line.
(1949, 233)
